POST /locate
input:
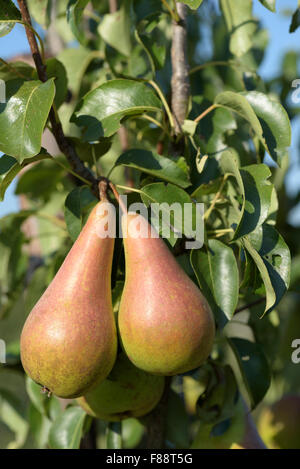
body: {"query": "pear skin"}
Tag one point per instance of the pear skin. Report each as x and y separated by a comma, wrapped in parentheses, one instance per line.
(69, 339)
(166, 325)
(126, 392)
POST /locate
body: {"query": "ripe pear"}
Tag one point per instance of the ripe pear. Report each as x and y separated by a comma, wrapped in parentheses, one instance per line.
(279, 424)
(126, 392)
(166, 325)
(69, 340)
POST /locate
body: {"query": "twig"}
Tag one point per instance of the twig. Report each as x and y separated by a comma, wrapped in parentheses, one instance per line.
(174, 14)
(63, 143)
(180, 69)
(204, 113)
(250, 305)
(156, 421)
(113, 6)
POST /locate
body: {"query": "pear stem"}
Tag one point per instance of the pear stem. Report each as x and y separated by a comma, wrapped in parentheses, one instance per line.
(118, 198)
(103, 186)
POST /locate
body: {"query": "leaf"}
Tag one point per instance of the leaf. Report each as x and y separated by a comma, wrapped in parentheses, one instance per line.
(66, 431)
(41, 11)
(274, 121)
(240, 24)
(256, 191)
(10, 168)
(75, 62)
(23, 118)
(115, 29)
(76, 201)
(193, 4)
(8, 11)
(153, 44)
(56, 70)
(114, 435)
(75, 11)
(273, 260)
(267, 118)
(295, 21)
(12, 415)
(155, 165)
(169, 201)
(102, 109)
(216, 269)
(15, 70)
(237, 103)
(269, 4)
(254, 368)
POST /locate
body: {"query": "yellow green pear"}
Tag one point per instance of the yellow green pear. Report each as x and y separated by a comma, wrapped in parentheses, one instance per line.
(126, 392)
(166, 325)
(69, 340)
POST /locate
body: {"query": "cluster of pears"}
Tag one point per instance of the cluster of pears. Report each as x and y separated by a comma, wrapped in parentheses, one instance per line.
(69, 341)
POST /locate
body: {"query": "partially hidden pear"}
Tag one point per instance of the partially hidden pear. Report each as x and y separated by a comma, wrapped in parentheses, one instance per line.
(69, 340)
(166, 325)
(126, 392)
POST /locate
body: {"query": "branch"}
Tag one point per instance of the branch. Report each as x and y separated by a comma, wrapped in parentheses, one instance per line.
(113, 6)
(180, 69)
(250, 305)
(63, 143)
(156, 421)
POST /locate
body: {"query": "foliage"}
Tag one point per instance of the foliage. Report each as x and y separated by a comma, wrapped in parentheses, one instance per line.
(118, 76)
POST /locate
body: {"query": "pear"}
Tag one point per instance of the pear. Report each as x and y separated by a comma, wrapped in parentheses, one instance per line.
(69, 340)
(126, 392)
(166, 325)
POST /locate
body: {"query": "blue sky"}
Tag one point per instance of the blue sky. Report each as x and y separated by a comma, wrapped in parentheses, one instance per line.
(280, 42)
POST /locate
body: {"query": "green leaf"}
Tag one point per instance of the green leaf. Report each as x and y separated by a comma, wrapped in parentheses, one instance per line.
(75, 11)
(102, 109)
(23, 118)
(155, 165)
(254, 368)
(10, 168)
(295, 21)
(266, 116)
(270, 4)
(76, 202)
(115, 29)
(114, 435)
(193, 4)
(41, 11)
(155, 47)
(273, 260)
(12, 415)
(216, 269)
(274, 121)
(8, 11)
(256, 191)
(15, 70)
(75, 62)
(240, 24)
(66, 431)
(56, 70)
(162, 197)
(238, 103)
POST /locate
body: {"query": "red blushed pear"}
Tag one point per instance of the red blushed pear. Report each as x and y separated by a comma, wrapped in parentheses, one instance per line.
(69, 340)
(166, 325)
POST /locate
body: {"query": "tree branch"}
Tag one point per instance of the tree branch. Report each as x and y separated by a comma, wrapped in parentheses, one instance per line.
(113, 6)
(63, 143)
(180, 69)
